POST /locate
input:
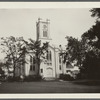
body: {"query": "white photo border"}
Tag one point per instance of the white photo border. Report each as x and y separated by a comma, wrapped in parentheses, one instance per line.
(42, 5)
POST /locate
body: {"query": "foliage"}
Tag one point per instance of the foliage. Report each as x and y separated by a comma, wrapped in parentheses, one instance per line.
(95, 12)
(86, 51)
(75, 51)
(13, 79)
(93, 36)
(91, 64)
(66, 77)
(38, 49)
(15, 50)
(31, 78)
(2, 73)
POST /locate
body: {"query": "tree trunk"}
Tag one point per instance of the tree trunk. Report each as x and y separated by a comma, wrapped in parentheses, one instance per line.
(38, 63)
(14, 71)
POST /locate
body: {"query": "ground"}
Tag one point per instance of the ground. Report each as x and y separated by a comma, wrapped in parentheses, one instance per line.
(47, 87)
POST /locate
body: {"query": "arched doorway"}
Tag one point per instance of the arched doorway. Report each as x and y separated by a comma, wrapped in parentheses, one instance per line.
(49, 72)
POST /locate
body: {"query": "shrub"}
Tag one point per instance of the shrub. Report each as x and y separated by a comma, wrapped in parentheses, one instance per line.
(81, 76)
(2, 79)
(12, 79)
(32, 78)
(26, 78)
(66, 77)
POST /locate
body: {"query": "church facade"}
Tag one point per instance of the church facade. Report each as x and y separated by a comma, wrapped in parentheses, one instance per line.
(51, 67)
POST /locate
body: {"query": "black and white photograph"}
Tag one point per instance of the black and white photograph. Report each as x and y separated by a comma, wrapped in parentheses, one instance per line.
(49, 49)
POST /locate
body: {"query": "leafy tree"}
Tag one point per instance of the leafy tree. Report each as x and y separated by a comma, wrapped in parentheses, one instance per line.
(1, 70)
(95, 12)
(75, 51)
(86, 51)
(15, 50)
(93, 34)
(39, 50)
(92, 37)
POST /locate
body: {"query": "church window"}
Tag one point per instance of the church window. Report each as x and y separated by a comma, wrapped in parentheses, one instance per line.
(30, 59)
(49, 58)
(60, 62)
(32, 63)
(59, 59)
(41, 70)
(31, 67)
(44, 30)
(44, 33)
(60, 67)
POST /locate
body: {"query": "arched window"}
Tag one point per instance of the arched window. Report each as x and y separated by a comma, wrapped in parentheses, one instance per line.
(60, 62)
(44, 33)
(59, 59)
(45, 28)
(32, 63)
(49, 57)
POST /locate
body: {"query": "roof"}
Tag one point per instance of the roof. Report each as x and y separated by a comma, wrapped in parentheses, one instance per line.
(56, 47)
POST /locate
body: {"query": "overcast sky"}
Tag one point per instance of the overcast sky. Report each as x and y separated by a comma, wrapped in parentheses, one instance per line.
(63, 22)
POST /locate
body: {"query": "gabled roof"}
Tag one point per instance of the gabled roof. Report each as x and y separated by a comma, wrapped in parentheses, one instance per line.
(55, 47)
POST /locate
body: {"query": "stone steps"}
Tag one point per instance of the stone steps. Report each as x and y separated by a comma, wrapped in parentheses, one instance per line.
(49, 78)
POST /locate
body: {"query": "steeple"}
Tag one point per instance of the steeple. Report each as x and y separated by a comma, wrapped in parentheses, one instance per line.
(43, 30)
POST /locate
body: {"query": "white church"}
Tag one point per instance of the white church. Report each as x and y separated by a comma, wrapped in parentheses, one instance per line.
(51, 67)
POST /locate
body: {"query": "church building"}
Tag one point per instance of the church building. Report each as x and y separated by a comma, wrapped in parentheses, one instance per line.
(51, 67)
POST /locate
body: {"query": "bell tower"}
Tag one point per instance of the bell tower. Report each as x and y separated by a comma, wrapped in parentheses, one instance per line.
(43, 30)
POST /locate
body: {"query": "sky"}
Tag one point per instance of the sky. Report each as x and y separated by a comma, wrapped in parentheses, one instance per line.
(63, 22)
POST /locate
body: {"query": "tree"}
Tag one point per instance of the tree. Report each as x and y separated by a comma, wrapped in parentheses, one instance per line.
(95, 12)
(15, 50)
(86, 51)
(38, 50)
(75, 51)
(2, 73)
(92, 37)
(93, 33)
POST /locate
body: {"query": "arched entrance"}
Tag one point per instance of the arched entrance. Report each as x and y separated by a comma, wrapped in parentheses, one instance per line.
(49, 72)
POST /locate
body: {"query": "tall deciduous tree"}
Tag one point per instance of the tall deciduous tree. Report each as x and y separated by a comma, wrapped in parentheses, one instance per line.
(39, 50)
(75, 51)
(15, 49)
(92, 36)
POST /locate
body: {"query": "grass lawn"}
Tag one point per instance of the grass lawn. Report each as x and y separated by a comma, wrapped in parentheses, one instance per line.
(47, 87)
